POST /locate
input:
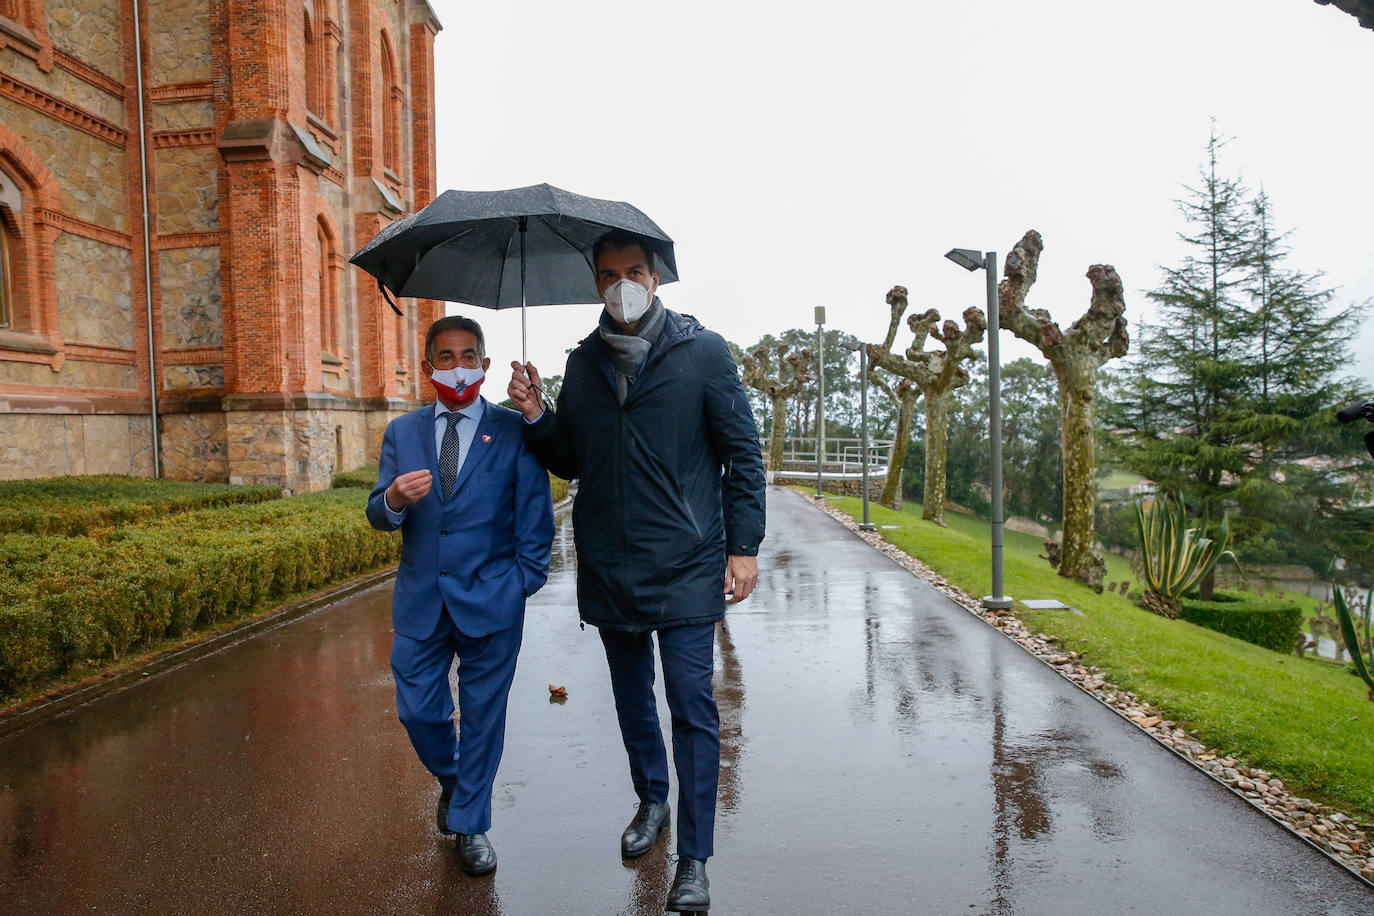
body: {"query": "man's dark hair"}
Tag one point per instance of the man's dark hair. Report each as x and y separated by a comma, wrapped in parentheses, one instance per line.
(616, 239)
(454, 323)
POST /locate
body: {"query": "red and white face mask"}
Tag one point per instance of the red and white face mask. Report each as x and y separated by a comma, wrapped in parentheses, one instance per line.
(458, 386)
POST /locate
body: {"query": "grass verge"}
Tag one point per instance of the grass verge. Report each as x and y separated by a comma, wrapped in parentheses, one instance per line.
(1308, 722)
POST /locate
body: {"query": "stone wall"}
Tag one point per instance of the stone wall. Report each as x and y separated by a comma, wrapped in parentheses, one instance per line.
(191, 301)
(51, 445)
(179, 35)
(187, 189)
(95, 296)
(194, 447)
(77, 374)
(91, 30)
(852, 488)
(92, 175)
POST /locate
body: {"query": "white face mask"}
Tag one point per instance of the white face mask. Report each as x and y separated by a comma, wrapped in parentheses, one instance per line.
(626, 301)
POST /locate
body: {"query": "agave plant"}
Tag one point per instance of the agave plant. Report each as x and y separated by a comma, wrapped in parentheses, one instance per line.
(1352, 640)
(1174, 557)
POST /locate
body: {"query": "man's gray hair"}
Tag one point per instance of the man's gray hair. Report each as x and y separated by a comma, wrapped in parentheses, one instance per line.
(454, 323)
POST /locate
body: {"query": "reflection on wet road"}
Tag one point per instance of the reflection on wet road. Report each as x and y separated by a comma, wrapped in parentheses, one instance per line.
(883, 752)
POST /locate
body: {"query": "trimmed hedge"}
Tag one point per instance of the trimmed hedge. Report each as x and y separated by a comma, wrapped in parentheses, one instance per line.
(1265, 620)
(69, 601)
(363, 478)
(366, 478)
(78, 505)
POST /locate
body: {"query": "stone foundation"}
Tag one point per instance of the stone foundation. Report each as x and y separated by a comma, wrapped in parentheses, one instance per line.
(54, 445)
(295, 443)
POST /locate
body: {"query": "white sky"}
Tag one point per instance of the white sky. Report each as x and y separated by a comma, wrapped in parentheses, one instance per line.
(817, 154)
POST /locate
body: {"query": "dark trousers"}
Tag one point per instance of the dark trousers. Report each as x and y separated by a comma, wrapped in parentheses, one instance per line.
(686, 654)
(465, 758)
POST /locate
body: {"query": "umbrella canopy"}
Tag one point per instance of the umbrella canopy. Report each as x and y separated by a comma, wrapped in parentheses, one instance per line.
(469, 247)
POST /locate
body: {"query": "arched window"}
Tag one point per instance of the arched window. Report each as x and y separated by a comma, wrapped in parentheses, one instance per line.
(5, 282)
(314, 65)
(392, 101)
(330, 336)
(11, 228)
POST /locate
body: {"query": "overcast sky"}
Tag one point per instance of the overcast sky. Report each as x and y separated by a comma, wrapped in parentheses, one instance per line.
(817, 154)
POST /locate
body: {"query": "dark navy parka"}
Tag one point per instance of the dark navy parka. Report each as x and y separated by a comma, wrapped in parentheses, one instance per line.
(668, 484)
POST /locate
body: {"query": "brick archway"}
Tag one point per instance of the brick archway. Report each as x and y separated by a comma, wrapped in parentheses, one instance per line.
(33, 336)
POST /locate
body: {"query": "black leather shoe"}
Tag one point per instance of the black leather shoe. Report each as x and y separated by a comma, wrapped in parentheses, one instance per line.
(691, 892)
(475, 854)
(441, 812)
(639, 837)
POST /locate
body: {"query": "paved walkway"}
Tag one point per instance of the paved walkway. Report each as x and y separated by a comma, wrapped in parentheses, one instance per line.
(884, 753)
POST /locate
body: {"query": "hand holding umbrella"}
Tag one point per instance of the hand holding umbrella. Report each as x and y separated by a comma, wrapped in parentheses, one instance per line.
(525, 392)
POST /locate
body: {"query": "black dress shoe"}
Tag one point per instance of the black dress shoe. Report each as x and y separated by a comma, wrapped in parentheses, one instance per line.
(441, 812)
(475, 854)
(639, 837)
(691, 891)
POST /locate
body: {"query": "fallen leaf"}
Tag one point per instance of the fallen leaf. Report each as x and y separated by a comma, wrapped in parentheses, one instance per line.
(558, 691)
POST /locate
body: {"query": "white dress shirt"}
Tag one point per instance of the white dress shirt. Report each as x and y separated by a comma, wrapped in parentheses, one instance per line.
(467, 432)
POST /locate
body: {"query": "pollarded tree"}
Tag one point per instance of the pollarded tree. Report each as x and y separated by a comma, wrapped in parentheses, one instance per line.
(1076, 357)
(904, 394)
(935, 376)
(763, 372)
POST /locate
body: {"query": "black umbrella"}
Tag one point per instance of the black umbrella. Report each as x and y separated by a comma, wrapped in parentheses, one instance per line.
(502, 249)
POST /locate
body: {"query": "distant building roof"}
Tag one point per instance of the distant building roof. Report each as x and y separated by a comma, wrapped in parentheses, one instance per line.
(1362, 10)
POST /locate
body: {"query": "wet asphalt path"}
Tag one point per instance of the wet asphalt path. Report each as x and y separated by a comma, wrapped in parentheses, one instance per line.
(884, 752)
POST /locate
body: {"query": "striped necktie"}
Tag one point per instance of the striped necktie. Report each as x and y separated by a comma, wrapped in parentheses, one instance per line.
(448, 454)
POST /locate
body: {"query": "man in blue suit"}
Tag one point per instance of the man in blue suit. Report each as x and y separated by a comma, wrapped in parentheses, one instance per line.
(476, 520)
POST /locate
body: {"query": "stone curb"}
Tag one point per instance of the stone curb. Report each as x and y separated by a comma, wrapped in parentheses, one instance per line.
(1323, 828)
(63, 701)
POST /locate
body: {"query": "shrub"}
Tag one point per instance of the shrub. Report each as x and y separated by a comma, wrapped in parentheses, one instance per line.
(364, 478)
(67, 601)
(1266, 620)
(559, 486)
(78, 505)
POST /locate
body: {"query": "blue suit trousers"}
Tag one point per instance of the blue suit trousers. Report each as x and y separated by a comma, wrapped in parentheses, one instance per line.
(686, 653)
(466, 758)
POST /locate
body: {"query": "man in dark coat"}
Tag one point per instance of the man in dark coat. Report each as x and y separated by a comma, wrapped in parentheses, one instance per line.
(653, 422)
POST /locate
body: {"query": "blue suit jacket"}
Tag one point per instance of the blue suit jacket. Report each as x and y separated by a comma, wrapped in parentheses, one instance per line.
(482, 551)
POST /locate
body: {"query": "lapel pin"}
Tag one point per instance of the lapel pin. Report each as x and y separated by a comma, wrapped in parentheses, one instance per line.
(486, 438)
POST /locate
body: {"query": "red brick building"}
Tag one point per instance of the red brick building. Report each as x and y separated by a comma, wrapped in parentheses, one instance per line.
(190, 311)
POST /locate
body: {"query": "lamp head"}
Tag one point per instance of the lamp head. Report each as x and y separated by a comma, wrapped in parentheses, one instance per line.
(966, 258)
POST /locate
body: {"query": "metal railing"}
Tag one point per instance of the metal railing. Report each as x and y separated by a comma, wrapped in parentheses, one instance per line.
(843, 457)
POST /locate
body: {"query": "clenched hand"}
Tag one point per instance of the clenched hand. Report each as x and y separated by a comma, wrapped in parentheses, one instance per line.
(408, 488)
(741, 575)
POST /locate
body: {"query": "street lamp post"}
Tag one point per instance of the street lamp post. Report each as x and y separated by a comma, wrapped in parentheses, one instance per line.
(866, 525)
(971, 260)
(820, 402)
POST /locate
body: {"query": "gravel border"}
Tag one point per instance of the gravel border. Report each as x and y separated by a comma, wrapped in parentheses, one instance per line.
(1331, 831)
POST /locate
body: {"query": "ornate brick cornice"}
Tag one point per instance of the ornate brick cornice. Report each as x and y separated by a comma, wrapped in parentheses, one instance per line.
(60, 110)
(333, 175)
(183, 92)
(84, 71)
(93, 353)
(84, 229)
(183, 139)
(209, 239)
(195, 356)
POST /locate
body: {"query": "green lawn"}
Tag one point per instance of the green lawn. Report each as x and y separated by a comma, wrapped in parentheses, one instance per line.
(1309, 722)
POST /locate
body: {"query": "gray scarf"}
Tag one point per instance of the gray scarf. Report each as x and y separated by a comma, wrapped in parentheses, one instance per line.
(629, 351)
